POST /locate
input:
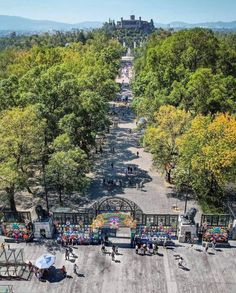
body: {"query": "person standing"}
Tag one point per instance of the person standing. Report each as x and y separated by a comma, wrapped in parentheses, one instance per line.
(206, 247)
(181, 262)
(103, 248)
(75, 268)
(165, 242)
(144, 249)
(63, 270)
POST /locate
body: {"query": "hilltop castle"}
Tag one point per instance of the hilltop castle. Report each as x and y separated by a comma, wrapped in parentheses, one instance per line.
(132, 23)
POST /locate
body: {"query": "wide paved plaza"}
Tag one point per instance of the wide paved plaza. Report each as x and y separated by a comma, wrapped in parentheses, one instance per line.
(206, 273)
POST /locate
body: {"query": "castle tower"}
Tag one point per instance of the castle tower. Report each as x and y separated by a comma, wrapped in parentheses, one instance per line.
(140, 22)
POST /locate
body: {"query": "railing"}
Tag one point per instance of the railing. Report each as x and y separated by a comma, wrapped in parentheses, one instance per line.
(216, 220)
(19, 217)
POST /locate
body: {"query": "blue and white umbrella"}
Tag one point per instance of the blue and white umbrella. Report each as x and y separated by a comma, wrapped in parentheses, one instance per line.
(45, 261)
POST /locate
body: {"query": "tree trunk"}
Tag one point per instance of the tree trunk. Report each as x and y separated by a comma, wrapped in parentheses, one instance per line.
(168, 177)
(11, 196)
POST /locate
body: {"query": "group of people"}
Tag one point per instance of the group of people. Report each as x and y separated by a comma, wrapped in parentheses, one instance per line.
(112, 182)
(149, 248)
(113, 253)
(130, 170)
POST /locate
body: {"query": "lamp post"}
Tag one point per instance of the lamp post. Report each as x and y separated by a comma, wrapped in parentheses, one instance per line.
(186, 189)
(186, 201)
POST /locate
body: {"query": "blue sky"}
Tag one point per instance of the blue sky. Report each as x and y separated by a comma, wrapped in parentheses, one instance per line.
(165, 11)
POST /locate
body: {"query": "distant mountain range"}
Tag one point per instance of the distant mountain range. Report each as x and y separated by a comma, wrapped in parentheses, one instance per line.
(219, 25)
(16, 23)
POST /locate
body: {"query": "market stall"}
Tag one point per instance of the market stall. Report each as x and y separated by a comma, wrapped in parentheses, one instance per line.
(17, 225)
(154, 234)
(77, 234)
(215, 227)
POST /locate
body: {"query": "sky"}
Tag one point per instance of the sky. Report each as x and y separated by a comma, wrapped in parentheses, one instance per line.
(164, 11)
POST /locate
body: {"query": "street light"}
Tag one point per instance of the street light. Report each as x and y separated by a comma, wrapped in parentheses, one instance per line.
(186, 188)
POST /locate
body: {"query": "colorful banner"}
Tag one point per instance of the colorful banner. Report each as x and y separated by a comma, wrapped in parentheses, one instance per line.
(114, 221)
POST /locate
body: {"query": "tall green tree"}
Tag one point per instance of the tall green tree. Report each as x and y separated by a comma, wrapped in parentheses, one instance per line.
(21, 133)
(66, 168)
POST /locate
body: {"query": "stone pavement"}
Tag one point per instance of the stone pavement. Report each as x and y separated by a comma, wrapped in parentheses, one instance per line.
(204, 273)
(156, 196)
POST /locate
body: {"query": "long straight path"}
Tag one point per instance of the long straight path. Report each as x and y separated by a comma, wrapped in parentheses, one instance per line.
(156, 196)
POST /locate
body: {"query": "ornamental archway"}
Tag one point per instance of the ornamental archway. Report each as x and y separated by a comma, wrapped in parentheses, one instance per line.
(126, 211)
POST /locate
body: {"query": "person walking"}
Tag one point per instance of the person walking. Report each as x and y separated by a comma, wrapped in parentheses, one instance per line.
(113, 255)
(136, 248)
(103, 248)
(213, 244)
(181, 262)
(75, 268)
(206, 247)
(112, 165)
(137, 154)
(67, 254)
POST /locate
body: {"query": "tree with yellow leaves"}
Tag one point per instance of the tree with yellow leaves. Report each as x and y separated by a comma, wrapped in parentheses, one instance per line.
(161, 136)
(207, 157)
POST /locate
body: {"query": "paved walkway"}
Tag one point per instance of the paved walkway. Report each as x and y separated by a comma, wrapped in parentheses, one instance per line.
(156, 196)
(205, 273)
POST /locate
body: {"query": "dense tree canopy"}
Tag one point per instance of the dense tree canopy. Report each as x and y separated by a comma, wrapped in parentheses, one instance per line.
(189, 69)
(189, 76)
(70, 86)
(21, 136)
(207, 156)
